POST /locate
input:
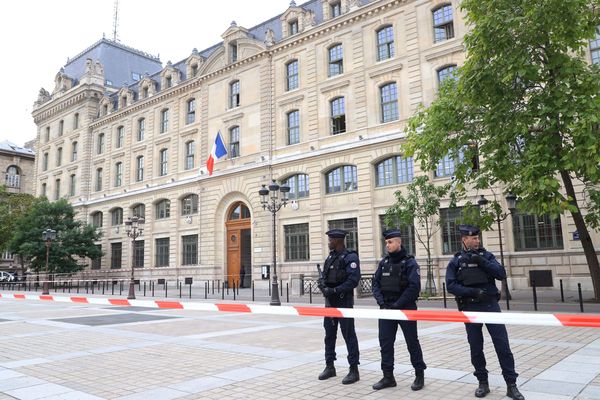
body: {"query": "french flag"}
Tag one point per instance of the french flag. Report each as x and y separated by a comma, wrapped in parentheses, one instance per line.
(218, 151)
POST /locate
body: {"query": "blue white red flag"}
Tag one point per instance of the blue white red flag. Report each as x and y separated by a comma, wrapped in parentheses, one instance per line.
(218, 151)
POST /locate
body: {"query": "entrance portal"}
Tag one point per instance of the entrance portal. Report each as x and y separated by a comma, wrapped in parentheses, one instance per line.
(239, 248)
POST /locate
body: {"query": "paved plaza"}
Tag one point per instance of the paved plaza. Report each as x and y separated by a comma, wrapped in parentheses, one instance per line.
(69, 351)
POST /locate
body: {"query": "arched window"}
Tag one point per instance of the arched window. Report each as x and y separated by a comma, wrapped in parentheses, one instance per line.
(336, 59)
(385, 43)
(443, 24)
(393, 171)
(189, 204)
(163, 209)
(191, 111)
(138, 210)
(338, 115)
(388, 95)
(341, 179)
(291, 75)
(298, 186)
(239, 211)
(116, 216)
(234, 94)
(445, 73)
(97, 218)
(13, 178)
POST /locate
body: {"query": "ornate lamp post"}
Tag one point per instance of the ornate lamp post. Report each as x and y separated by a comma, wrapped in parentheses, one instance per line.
(270, 200)
(48, 235)
(133, 228)
(499, 216)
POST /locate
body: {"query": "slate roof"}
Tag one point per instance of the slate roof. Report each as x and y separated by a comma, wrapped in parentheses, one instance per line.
(6, 146)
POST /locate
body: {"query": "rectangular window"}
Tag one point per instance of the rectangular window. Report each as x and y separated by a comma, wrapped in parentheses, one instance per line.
(120, 137)
(76, 121)
(57, 189)
(449, 220)
(234, 94)
(189, 250)
(292, 75)
(139, 168)
(47, 134)
(190, 152)
(293, 127)
(43, 189)
(59, 156)
(336, 9)
(163, 162)
(191, 111)
(97, 262)
(72, 185)
(293, 27)
(234, 142)
(336, 60)
(595, 48)
(233, 52)
(162, 252)
(536, 232)
(385, 43)
(443, 26)
(338, 116)
(296, 242)
(61, 127)
(407, 233)
(445, 167)
(98, 179)
(138, 254)
(350, 225)
(118, 174)
(100, 144)
(74, 151)
(389, 102)
(45, 162)
(164, 121)
(141, 129)
(116, 254)
(117, 216)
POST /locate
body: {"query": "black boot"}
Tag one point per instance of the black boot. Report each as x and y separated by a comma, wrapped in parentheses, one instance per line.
(419, 380)
(352, 375)
(483, 389)
(513, 392)
(328, 372)
(387, 381)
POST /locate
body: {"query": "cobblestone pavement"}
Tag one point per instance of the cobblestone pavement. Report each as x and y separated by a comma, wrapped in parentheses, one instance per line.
(55, 351)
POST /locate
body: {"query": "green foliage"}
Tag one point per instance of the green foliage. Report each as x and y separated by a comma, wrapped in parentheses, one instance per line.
(74, 240)
(418, 207)
(12, 207)
(526, 100)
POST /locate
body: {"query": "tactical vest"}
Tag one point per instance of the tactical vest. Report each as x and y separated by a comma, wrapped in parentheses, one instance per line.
(471, 274)
(394, 278)
(335, 269)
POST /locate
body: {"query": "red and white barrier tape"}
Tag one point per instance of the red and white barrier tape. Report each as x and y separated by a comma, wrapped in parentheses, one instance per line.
(580, 320)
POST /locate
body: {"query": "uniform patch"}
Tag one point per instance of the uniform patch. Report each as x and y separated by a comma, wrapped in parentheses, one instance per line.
(418, 270)
(353, 265)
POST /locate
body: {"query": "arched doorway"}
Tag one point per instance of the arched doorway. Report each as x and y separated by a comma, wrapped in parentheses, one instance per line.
(239, 253)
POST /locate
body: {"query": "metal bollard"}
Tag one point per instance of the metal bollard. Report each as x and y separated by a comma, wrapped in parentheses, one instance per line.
(534, 295)
(190, 290)
(252, 284)
(281, 287)
(234, 290)
(180, 285)
(444, 291)
(223, 292)
(152, 285)
(120, 288)
(206, 289)
(166, 288)
(562, 293)
(580, 297)
(144, 288)
(310, 292)
(287, 292)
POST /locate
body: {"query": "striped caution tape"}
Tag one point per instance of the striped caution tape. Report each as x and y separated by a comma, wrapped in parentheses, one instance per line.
(541, 319)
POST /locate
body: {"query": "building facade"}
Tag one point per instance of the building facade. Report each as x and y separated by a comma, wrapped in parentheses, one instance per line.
(317, 98)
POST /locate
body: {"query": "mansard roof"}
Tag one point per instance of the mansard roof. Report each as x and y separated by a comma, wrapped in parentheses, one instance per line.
(6, 146)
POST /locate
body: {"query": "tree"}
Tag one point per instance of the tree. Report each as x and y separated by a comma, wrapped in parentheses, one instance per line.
(12, 207)
(419, 207)
(74, 239)
(528, 102)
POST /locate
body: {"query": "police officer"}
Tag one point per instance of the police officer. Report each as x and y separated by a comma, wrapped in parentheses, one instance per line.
(341, 273)
(471, 276)
(396, 285)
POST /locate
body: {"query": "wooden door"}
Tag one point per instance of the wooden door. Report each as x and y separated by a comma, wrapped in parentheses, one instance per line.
(238, 221)
(233, 256)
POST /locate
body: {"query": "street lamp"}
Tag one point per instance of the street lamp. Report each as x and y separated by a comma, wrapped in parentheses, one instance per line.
(48, 235)
(134, 230)
(499, 216)
(270, 200)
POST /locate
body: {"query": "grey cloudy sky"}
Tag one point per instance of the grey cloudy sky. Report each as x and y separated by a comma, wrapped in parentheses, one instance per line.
(37, 37)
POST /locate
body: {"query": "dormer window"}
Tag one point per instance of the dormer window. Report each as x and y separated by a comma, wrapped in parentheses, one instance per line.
(335, 9)
(168, 82)
(105, 109)
(233, 52)
(194, 70)
(293, 27)
(145, 92)
(123, 101)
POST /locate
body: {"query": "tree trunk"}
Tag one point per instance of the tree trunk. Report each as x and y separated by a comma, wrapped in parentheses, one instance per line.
(584, 236)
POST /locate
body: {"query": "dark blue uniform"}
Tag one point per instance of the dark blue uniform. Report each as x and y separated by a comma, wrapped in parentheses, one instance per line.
(396, 285)
(469, 273)
(342, 273)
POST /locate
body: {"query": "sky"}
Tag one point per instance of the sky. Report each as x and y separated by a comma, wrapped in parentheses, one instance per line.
(37, 37)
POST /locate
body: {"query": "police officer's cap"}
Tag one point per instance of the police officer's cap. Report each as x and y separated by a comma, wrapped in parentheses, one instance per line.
(468, 230)
(336, 233)
(392, 233)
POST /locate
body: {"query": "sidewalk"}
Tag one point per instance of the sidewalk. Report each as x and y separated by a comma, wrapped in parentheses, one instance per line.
(55, 351)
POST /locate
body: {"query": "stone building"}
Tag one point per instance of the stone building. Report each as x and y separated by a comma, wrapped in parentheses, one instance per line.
(17, 163)
(317, 97)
